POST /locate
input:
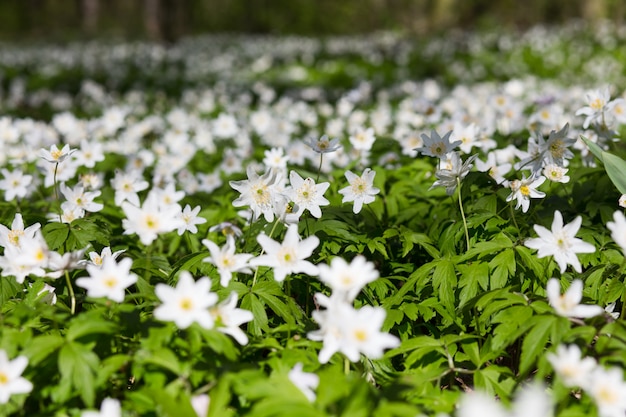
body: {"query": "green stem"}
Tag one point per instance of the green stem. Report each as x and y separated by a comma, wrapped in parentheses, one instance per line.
(346, 366)
(71, 291)
(56, 191)
(256, 271)
(319, 168)
(458, 182)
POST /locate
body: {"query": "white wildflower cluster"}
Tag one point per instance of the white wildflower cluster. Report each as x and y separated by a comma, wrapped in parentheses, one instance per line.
(342, 327)
(606, 386)
(192, 301)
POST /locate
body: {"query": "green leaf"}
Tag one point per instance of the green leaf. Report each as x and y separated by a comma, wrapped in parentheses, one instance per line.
(221, 397)
(616, 170)
(164, 358)
(89, 323)
(55, 234)
(8, 289)
(444, 281)
(595, 149)
(171, 405)
(495, 380)
(474, 276)
(251, 302)
(502, 267)
(41, 347)
(535, 341)
(78, 364)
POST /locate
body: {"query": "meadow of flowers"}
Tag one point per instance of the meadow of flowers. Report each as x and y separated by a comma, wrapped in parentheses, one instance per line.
(257, 226)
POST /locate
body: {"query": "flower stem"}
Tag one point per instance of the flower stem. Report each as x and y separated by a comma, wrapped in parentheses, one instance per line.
(56, 192)
(256, 271)
(467, 239)
(346, 366)
(319, 168)
(71, 291)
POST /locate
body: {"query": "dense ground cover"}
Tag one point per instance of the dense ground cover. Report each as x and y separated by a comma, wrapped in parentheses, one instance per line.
(342, 227)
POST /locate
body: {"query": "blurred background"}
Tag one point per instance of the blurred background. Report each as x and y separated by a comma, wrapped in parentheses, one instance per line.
(169, 20)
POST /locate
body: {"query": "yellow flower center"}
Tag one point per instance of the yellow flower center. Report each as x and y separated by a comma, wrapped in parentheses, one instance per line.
(56, 154)
(110, 282)
(524, 190)
(557, 149)
(152, 222)
(186, 304)
(261, 194)
(14, 237)
(359, 186)
(597, 104)
(607, 395)
(360, 335)
(4, 378)
(436, 149)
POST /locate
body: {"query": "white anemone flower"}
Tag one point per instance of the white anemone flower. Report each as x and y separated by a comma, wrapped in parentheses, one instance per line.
(225, 259)
(560, 242)
(306, 382)
(228, 318)
(618, 229)
(568, 304)
(109, 407)
(307, 195)
(187, 303)
(109, 280)
(570, 366)
(11, 380)
(347, 279)
(289, 256)
(361, 189)
(525, 189)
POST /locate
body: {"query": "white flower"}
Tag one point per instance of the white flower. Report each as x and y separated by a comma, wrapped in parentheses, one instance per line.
(437, 146)
(77, 197)
(568, 304)
(97, 259)
(187, 303)
(622, 201)
(127, 185)
(349, 331)
(228, 318)
(608, 389)
(560, 242)
(493, 168)
(525, 189)
(361, 189)
(15, 184)
(17, 232)
(256, 192)
(555, 173)
(190, 219)
(225, 259)
(200, 404)
(450, 176)
(570, 366)
(109, 408)
(618, 229)
(306, 382)
(11, 380)
(362, 139)
(347, 279)
(307, 195)
(287, 257)
(323, 144)
(109, 280)
(56, 155)
(151, 219)
(597, 101)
